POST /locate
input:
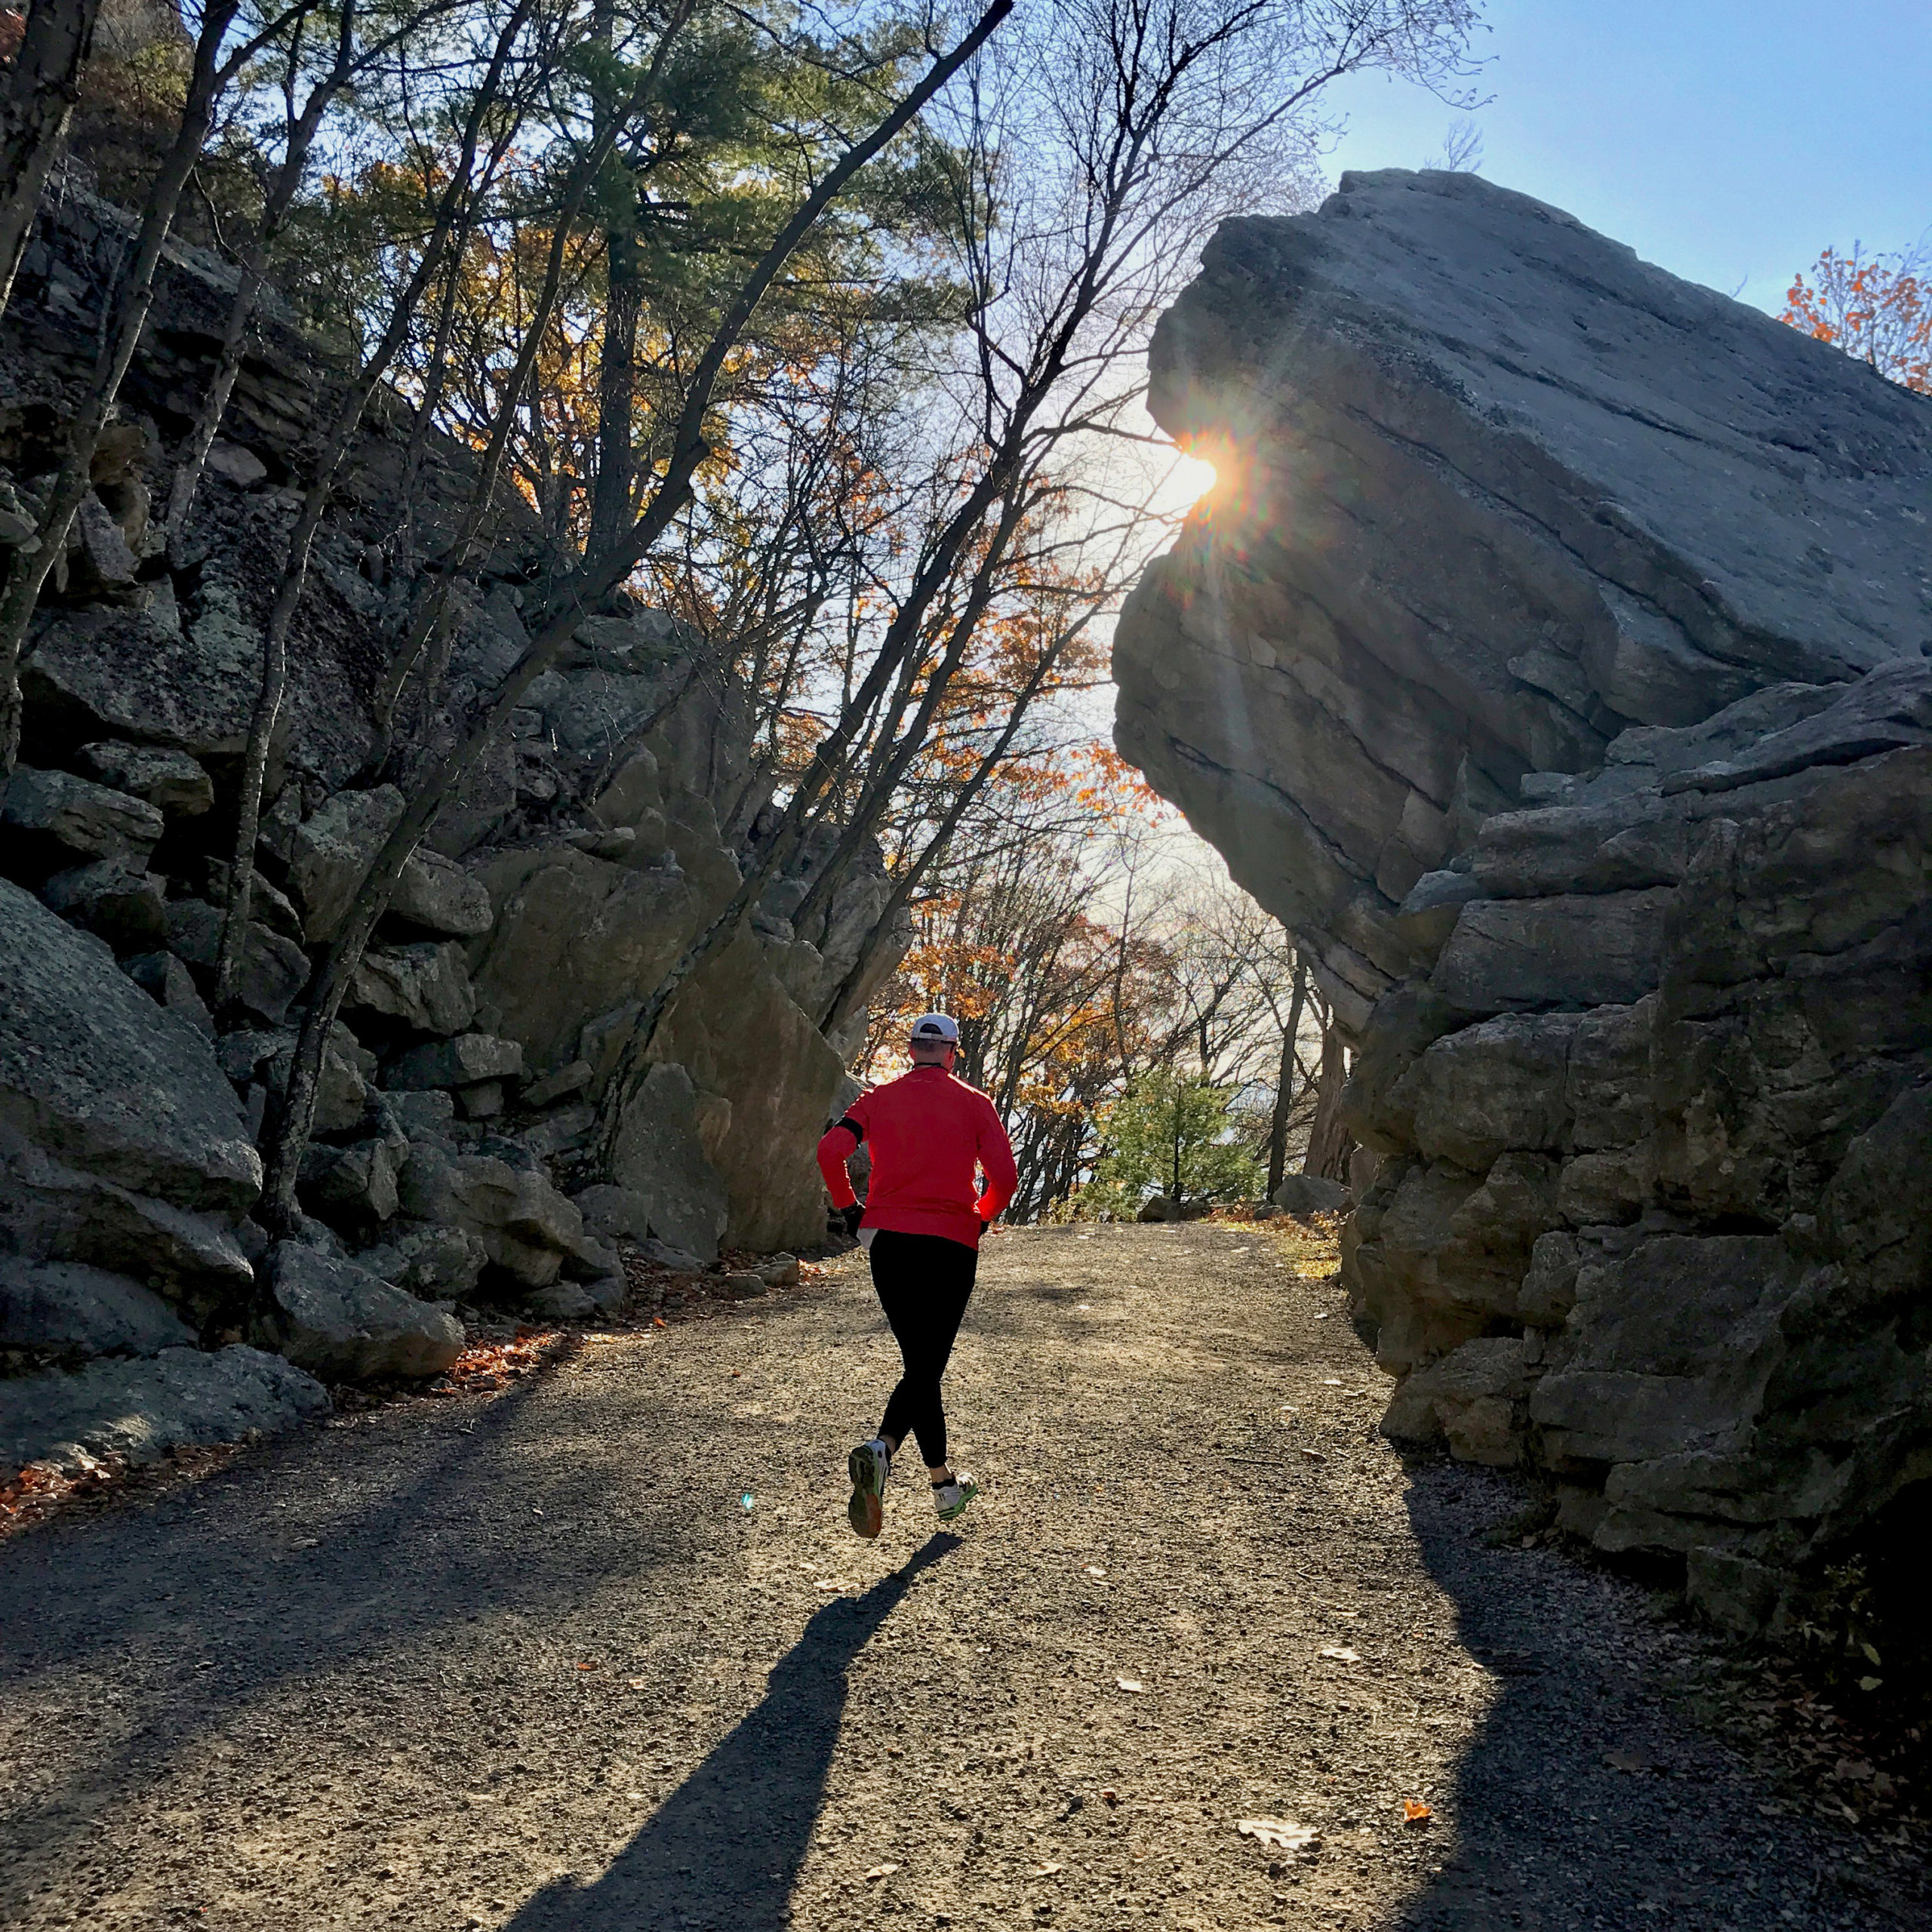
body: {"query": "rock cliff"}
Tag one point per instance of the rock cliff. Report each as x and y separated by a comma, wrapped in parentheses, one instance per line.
(1551, 658)
(446, 1173)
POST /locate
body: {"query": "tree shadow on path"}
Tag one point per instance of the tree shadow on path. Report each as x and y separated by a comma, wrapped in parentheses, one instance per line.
(725, 1849)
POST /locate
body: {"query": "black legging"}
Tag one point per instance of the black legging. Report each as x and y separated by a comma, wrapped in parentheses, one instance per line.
(924, 1283)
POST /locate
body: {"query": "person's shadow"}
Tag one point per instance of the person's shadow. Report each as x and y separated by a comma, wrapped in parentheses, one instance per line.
(723, 1849)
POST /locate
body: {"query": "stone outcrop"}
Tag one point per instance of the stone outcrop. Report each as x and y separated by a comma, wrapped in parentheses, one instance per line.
(460, 1085)
(1552, 659)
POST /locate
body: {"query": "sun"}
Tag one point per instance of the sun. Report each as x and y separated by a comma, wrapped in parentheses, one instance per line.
(1193, 476)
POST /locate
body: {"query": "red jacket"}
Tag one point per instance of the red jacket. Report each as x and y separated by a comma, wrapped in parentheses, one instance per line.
(927, 1133)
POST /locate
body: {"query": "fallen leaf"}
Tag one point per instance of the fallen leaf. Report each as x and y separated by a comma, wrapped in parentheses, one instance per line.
(1870, 1683)
(1282, 1833)
(1415, 1812)
(1314, 1455)
(586, 1666)
(1047, 1871)
(881, 1871)
(1094, 1570)
(1129, 1683)
(637, 1683)
(1626, 1761)
(1110, 1797)
(1331, 1381)
(1341, 1654)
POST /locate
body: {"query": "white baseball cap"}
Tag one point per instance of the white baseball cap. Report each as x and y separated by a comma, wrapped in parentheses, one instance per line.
(935, 1026)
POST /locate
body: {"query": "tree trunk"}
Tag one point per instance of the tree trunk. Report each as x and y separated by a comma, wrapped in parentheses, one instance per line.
(1329, 1146)
(611, 503)
(41, 89)
(1278, 1131)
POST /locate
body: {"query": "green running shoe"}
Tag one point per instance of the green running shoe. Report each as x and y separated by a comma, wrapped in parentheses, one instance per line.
(950, 1499)
(869, 1466)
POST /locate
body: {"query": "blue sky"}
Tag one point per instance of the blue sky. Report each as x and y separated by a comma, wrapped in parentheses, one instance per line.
(1727, 140)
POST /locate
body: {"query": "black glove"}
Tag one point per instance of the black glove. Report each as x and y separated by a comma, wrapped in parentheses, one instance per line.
(851, 1216)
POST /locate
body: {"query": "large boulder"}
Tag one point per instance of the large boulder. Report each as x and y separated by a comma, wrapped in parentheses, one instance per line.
(140, 1410)
(1310, 1194)
(343, 1324)
(104, 1080)
(659, 1158)
(1496, 490)
(1550, 661)
(58, 1308)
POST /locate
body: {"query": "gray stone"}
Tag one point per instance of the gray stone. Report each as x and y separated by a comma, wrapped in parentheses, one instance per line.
(779, 1271)
(167, 981)
(742, 1287)
(234, 464)
(463, 1061)
(1559, 492)
(92, 1071)
(561, 1301)
(438, 1264)
(341, 1322)
(274, 970)
(526, 1227)
(660, 1153)
(58, 1308)
(423, 1116)
(1595, 950)
(117, 899)
(342, 1088)
(76, 816)
(567, 1080)
(609, 1294)
(352, 1188)
(1310, 1194)
(170, 781)
(138, 1411)
(675, 1259)
(483, 1101)
(331, 854)
(1491, 1087)
(615, 1214)
(136, 674)
(425, 987)
(1473, 1399)
(436, 893)
(103, 565)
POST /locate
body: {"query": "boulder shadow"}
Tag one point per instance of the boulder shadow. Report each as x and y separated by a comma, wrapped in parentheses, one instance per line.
(1588, 1796)
(723, 1851)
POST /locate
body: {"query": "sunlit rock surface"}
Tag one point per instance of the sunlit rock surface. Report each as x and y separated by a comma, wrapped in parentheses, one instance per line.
(1551, 657)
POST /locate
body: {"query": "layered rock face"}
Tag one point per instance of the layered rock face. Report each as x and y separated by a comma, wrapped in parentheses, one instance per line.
(579, 862)
(1552, 659)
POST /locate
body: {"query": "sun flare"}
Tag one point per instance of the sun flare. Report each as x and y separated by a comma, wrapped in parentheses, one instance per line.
(1193, 476)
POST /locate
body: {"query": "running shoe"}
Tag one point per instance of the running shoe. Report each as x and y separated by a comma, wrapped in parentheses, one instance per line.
(950, 1499)
(869, 1465)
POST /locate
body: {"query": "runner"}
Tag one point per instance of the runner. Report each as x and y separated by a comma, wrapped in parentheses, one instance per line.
(928, 1134)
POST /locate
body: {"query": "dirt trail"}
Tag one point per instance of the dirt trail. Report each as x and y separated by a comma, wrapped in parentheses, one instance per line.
(529, 1661)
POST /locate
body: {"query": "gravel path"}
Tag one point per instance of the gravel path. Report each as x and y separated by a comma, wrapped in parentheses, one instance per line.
(529, 1661)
